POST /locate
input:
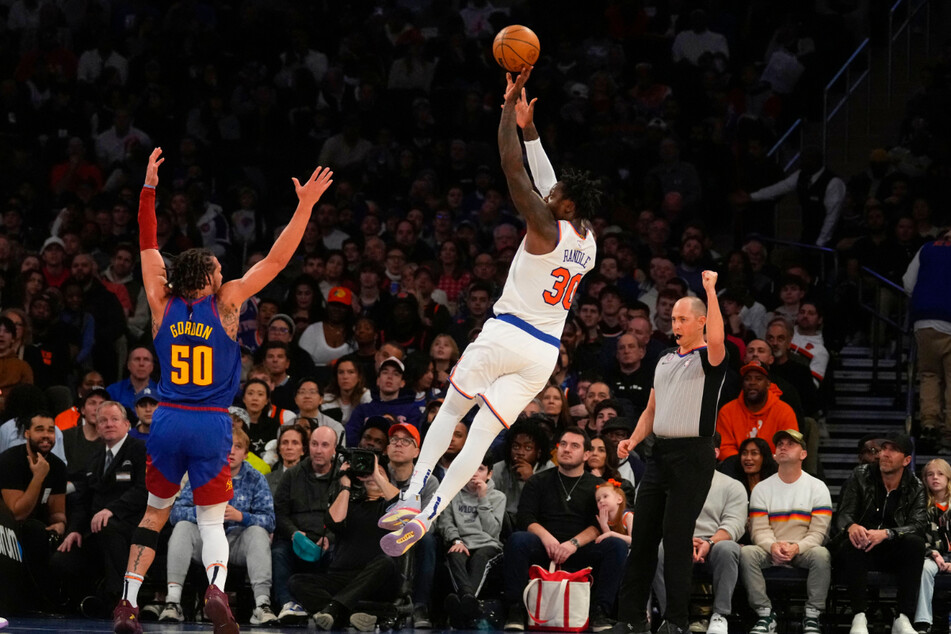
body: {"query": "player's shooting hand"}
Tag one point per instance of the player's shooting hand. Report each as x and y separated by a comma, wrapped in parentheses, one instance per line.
(100, 519)
(513, 89)
(151, 172)
(311, 191)
(525, 111)
(73, 539)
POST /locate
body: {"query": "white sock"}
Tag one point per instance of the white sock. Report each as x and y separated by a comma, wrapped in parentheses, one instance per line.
(130, 588)
(484, 429)
(214, 543)
(438, 438)
(174, 594)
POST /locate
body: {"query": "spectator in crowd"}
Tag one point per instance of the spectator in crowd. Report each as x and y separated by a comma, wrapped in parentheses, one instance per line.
(557, 521)
(874, 535)
(526, 452)
(308, 399)
(471, 527)
(33, 487)
(81, 442)
(282, 328)
(265, 419)
(277, 363)
(927, 280)
(631, 378)
(346, 390)
(694, 43)
(145, 403)
(13, 370)
(808, 342)
(716, 546)
(330, 339)
(249, 522)
(292, 440)
(140, 364)
(300, 508)
(554, 405)
(755, 463)
(756, 413)
(70, 417)
(19, 405)
(387, 400)
(792, 368)
(103, 514)
(107, 312)
(783, 536)
(937, 479)
(359, 570)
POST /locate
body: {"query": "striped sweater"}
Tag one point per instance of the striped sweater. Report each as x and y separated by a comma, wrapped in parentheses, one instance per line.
(799, 513)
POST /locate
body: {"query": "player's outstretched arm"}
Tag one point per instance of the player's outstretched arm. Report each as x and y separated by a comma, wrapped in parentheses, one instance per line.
(261, 274)
(541, 171)
(542, 233)
(153, 266)
(716, 348)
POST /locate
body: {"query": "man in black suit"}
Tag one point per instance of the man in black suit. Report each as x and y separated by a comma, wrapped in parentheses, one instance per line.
(104, 510)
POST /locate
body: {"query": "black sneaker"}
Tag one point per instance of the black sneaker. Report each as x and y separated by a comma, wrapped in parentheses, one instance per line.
(599, 621)
(515, 618)
(671, 628)
(471, 609)
(453, 607)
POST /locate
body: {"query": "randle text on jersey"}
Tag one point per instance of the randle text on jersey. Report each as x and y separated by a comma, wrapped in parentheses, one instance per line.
(577, 256)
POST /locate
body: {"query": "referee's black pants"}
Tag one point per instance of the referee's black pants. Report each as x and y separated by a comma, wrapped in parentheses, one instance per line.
(669, 499)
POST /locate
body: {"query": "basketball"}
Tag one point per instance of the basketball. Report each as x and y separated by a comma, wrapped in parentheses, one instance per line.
(514, 47)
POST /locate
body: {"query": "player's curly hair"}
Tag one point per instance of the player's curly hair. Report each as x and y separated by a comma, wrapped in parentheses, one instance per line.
(584, 190)
(190, 272)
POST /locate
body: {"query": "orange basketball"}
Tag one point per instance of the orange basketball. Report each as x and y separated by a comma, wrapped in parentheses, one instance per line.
(514, 47)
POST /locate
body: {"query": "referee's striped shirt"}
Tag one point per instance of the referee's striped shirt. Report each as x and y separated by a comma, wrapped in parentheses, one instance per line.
(687, 393)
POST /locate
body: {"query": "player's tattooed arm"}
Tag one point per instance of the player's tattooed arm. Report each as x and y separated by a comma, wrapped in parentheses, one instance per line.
(229, 319)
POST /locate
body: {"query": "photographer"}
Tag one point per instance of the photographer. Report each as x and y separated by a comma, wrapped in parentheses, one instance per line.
(300, 506)
(359, 570)
(33, 484)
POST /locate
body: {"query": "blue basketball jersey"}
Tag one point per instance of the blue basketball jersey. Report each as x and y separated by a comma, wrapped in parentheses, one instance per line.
(201, 364)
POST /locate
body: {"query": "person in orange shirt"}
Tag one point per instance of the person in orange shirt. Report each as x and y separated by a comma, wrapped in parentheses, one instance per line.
(757, 412)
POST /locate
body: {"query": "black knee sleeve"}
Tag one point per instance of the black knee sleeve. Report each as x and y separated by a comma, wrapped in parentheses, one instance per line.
(145, 537)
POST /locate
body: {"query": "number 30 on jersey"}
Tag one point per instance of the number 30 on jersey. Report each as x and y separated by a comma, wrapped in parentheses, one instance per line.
(563, 290)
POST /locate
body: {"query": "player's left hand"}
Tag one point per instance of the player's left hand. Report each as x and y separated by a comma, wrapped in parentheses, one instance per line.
(100, 519)
(709, 281)
(525, 111)
(151, 172)
(315, 186)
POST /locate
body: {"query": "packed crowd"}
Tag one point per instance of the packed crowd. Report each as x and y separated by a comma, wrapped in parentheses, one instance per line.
(673, 104)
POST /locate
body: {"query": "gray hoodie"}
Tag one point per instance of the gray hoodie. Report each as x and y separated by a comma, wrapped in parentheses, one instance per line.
(476, 521)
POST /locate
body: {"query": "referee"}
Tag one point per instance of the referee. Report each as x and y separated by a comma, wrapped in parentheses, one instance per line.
(682, 413)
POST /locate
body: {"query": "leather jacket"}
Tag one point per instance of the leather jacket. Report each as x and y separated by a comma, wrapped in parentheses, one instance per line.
(911, 514)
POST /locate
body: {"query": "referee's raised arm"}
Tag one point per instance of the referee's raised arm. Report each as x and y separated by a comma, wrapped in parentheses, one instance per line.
(716, 350)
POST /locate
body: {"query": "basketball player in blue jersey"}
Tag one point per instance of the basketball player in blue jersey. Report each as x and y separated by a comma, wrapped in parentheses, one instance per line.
(512, 360)
(194, 324)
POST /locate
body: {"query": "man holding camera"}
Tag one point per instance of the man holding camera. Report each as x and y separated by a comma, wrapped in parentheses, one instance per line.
(359, 571)
(300, 506)
(33, 484)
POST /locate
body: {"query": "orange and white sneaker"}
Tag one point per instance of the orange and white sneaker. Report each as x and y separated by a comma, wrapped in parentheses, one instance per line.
(218, 610)
(400, 512)
(398, 542)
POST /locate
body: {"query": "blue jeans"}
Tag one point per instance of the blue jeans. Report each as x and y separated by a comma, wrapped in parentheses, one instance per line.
(285, 563)
(606, 560)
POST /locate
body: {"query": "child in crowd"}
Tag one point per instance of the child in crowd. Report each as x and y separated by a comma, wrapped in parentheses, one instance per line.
(471, 527)
(613, 517)
(937, 479)
(791, 291)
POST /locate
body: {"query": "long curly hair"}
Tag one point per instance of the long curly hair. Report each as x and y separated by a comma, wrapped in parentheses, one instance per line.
(583, 190)
(191, 272)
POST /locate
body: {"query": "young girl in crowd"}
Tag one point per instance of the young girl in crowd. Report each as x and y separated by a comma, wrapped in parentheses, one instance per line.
(613, 517)
(937, 479)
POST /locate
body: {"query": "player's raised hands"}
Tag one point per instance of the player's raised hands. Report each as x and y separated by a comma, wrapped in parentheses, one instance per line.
(151, 172)
(514, 89)
(525, 111)
(315, 186)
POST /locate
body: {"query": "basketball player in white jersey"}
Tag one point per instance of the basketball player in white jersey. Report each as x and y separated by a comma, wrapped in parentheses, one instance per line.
(512, 360)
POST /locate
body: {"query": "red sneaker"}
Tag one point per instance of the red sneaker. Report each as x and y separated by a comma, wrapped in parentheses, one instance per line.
(218, 610)
(125, 619)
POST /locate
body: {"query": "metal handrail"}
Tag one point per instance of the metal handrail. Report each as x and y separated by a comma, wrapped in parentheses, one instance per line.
(902, 329)
(823, 252)
(894, 34)
(776, 147)
(846, 99)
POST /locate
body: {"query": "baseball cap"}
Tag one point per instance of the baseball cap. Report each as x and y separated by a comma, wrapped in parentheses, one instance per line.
(286, 319)
(340, 295)
(393, 361)
(409, 429)
(145, 393)
(754, 366)
(51, 241)
(96, 391)
(901, 442)
(625, 423)
(379, 422)
(792, 434)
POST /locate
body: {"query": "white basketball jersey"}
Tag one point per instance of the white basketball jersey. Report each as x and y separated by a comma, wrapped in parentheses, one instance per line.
(539, 288)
